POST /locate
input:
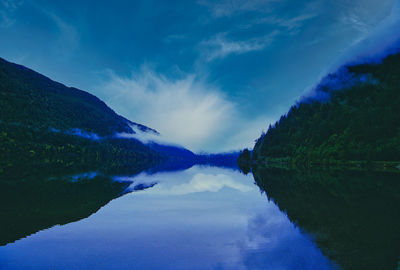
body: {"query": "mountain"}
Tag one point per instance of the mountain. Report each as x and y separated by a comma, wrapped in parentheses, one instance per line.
(33, 100)
(46, 126)
(352, 115)
(44, 123)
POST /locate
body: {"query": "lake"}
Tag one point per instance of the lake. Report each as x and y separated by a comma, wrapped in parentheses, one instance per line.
(202, 217)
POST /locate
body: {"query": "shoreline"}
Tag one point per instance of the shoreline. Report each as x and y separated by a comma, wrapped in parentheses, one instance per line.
(360, 165)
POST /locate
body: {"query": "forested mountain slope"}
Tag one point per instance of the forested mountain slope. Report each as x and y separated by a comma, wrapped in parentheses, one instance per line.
(43, 122)
(31, 99)
(354, 114)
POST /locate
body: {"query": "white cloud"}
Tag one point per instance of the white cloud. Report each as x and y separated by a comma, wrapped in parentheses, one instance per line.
(147, 137)
(219, 46)
(185, 111)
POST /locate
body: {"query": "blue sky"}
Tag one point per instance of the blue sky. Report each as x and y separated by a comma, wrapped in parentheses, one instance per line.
(210, 75)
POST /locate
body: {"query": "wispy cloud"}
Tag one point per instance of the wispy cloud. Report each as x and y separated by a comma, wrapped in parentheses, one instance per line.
(271, 14)
(357, 14)
(185, 111)
(378, 41)
(7, 10)
(67, 35)
(220, 46)
(374, 44)
(290, 25)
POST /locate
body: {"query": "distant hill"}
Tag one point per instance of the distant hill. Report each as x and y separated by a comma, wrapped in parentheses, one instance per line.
(353, 114)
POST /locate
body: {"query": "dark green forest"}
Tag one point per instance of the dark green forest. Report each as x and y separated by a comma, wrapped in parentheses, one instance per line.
(33, 100)
(33, 150)
(38, 118)
(244, 161)
(351, 118)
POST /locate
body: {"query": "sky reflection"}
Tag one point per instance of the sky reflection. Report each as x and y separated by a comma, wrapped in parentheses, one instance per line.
(201, 218)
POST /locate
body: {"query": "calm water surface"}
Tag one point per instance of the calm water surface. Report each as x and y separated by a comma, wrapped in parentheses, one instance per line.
(200, 218)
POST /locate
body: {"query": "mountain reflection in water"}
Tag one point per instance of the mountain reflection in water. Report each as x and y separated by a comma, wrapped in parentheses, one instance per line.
(201, 218)
(353, 216)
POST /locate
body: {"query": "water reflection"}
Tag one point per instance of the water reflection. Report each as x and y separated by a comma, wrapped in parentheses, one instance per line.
(30, 205)
(354, 217)
(194, 183)
(200, 218)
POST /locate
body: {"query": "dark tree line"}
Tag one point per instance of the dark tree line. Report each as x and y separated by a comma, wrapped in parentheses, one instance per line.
(358, 122)
(26, 149)
(244, 161)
